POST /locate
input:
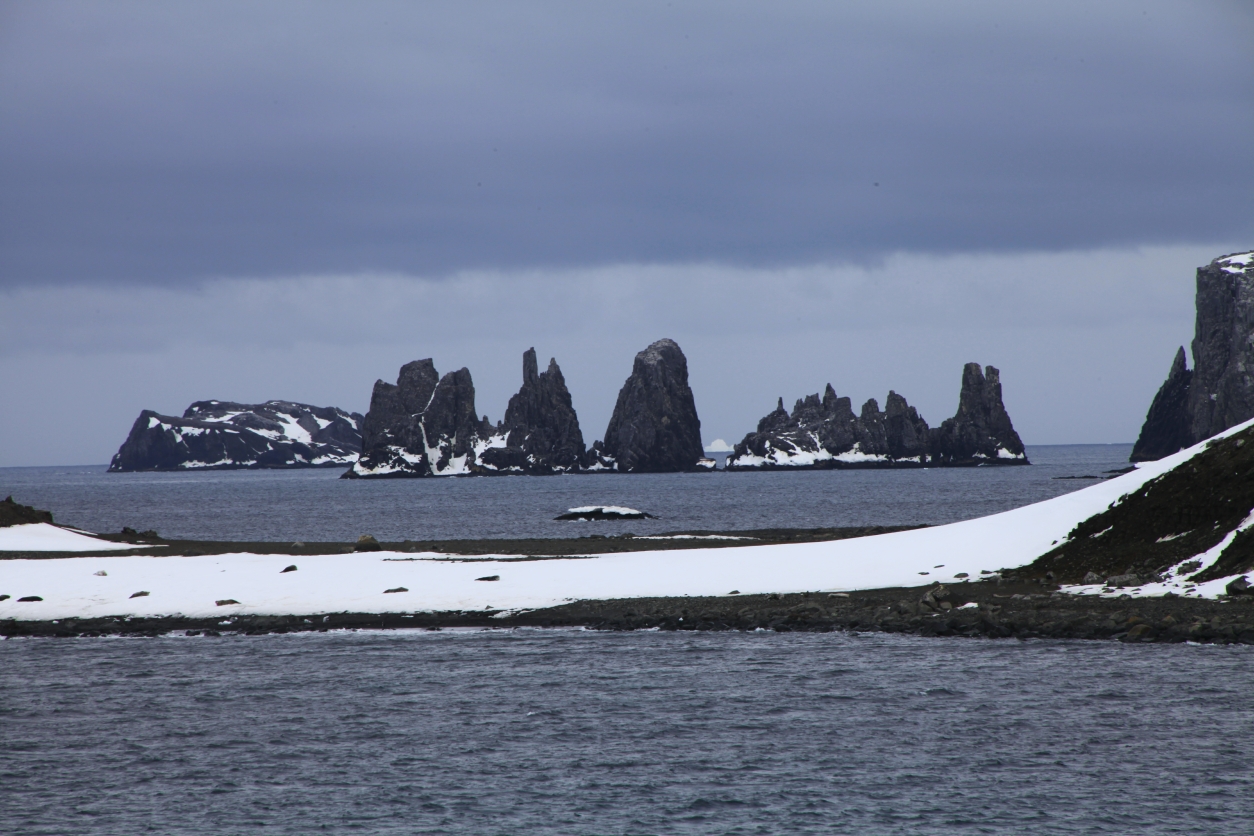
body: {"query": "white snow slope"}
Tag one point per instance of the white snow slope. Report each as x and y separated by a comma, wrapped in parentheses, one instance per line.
(42, 537)
(356, 582)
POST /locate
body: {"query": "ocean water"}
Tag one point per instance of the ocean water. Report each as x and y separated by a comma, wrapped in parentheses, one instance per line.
(572, 732)
(317, 505)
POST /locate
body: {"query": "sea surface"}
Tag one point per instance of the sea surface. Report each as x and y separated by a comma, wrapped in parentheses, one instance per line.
(314, 505)
(572, 732)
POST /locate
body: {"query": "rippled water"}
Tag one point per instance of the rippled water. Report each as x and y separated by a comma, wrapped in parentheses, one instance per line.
(317, 505)
(568, 732)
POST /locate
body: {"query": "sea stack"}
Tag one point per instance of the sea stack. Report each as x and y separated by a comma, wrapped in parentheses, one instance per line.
(423, 425)
(1219, 392)
(426, 425)
(981, 431)
(541, 431)
(825, 433)
(654, 427)
(222, 435)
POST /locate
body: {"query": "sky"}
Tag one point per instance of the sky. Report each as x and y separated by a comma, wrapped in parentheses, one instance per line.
(249, 201)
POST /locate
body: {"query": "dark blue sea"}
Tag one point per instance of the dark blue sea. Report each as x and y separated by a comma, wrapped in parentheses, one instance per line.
(573, 732)
(318, 505)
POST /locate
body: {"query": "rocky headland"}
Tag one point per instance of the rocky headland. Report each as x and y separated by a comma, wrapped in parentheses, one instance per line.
(825, 433)
(221, 435)
(1218, 393)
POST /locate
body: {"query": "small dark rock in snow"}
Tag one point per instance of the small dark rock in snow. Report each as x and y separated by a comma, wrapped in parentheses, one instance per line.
(734, 592)
(223, 602)
(1123, 580)
(395, 589)
(291, 568)
(29, 598)
(1240, 586)
(489, 578)
(101, 574)
(143, 594)
(1092, 578)
(4, 597)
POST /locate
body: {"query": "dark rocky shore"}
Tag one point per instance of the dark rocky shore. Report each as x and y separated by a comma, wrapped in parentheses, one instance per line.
(1002, 610)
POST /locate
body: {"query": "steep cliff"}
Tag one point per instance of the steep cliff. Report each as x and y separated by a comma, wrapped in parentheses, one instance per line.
(1219, 392)
(220, 435)
(654, 427)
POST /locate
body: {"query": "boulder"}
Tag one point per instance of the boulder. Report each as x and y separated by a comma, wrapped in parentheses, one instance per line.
(654, 427)
(222, 435)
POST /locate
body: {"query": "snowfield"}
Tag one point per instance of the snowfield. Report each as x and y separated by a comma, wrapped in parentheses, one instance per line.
(192, 586)
(43, 537)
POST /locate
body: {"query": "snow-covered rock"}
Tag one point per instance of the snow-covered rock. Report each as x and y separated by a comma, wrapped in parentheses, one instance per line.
(217, 435)
(603, 512)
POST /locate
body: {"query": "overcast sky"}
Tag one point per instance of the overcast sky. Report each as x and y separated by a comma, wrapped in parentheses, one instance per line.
(249, 201)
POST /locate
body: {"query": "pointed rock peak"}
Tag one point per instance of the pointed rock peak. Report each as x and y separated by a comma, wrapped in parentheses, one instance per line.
(531, 369)
(779, 407)
(870, 409)
(664, 350)
(654, 427)
(829, 395)
(1180, 364)
(553, 367)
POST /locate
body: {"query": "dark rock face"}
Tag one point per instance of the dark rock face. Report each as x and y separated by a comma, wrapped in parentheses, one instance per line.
(218, 435)
(11, 513)
(541, 429)
(1219, 392)
(981, 431)
(654, 428)
(824, 432)
(1167, 426)
(425, 425)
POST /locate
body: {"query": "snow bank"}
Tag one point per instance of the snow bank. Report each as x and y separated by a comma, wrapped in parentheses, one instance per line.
(43, 537)
(356, 582)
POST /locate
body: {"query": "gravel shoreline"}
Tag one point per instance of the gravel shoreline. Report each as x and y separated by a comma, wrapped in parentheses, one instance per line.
(1001, 610)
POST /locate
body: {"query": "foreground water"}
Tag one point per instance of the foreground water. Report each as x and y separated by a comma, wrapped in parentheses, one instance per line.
(317, 505)
(565, 732)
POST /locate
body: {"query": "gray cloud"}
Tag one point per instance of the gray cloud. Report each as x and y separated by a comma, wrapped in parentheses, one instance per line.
(168, 143)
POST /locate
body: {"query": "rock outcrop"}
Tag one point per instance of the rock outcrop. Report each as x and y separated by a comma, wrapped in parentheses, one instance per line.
(541, 429)
(423, 425)
(13, 513)
(1166, 427)
(1219, 392)
(825, 433)
(426, 425)
(654, 427)
(981, 431)
(220, 435)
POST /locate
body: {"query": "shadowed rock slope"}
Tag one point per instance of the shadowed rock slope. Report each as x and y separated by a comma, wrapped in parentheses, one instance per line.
(825, 432)
(1167, 524)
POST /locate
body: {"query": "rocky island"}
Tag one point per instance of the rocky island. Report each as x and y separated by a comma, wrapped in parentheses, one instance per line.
(426, 425)
(1193, 405)
(825, 432)
(221, 435)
